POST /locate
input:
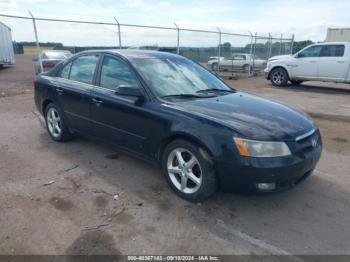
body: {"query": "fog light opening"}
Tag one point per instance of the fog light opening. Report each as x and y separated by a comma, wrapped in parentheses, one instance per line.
(266, 186)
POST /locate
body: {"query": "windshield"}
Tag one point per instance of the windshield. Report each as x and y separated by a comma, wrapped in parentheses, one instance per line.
(178, 76)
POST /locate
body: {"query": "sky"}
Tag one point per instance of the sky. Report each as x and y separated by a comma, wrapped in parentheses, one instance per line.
(307, 20)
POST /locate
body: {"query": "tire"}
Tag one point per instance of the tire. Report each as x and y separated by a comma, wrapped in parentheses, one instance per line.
(55, 124)
(279, 77)
(215, 66)
(197, 171)
(296, 82)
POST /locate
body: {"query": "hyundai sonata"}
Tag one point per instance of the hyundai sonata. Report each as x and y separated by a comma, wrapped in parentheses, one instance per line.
(169, 110)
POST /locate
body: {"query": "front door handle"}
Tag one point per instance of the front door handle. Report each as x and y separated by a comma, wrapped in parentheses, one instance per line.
(341, 62)
(313, 61)
(97, 101)
(60, 91)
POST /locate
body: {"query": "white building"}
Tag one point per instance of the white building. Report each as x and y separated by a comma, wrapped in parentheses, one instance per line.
(338, 35)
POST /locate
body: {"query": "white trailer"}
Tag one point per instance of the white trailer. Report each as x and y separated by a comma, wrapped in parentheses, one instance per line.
(7, 56)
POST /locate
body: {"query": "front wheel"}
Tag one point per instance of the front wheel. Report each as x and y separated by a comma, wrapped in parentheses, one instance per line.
(189, 171)
(55, 124)
(279, 77)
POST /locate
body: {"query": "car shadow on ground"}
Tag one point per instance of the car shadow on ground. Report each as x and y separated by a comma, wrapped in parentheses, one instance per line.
(315, 89)
(4, 67)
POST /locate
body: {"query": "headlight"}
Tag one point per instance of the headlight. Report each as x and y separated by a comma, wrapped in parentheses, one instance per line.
(255, 148)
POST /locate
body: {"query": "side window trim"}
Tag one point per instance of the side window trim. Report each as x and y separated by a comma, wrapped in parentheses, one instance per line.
(70, 68)
(98, 71)
(94, 79)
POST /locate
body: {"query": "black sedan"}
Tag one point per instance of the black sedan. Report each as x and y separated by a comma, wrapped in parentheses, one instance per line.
(169, 110)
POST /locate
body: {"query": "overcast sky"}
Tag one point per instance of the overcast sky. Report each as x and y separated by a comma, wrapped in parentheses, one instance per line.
(305, 19)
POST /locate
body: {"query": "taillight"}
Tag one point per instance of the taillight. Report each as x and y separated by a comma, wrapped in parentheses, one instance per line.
(34, 83)
(47, 65)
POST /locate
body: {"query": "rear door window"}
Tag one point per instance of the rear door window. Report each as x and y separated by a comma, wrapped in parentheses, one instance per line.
(332, 50)
(83, 69)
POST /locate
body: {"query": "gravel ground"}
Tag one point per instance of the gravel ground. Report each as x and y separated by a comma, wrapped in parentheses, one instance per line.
(18, 78)
(51, 192)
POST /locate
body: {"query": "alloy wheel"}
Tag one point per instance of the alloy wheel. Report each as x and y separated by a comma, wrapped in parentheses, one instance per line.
(184, 170)
(54, 122)
(278, 77)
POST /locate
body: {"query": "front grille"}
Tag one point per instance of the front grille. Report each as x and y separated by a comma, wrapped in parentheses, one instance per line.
(309, 143)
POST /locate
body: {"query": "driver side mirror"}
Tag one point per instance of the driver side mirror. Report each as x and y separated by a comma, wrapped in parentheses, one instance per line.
(129, 90)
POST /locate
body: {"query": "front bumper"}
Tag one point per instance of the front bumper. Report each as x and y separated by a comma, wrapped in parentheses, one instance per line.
(283, 172)
(267, 73)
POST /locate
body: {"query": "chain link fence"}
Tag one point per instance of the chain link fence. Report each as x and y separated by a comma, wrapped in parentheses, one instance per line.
(222, 52)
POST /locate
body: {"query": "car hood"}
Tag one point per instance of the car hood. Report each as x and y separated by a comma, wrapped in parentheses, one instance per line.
(278, 57)
(250, 116)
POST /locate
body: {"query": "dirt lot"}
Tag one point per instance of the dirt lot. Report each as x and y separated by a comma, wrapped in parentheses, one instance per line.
(147, 217)
(17, 79)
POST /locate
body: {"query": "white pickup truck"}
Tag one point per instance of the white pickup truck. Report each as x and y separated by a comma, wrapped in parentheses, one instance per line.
(328, 62)
(237, 62)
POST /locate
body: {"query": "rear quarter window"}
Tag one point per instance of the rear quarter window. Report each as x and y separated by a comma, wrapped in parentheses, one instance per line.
(83, 69)
(65, 71)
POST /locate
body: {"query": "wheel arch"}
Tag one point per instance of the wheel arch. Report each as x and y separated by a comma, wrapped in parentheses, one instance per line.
(207, 153)
(45, 103)
(214, 63)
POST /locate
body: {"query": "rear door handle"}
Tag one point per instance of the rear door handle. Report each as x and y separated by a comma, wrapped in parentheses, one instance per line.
(313, 61)
(97, 101)
(59, 90)
(341, 62)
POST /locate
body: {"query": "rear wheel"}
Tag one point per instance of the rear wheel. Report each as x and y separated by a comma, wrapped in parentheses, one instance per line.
(279, 77)
(188, 171)
(296, 82)
(55, 124)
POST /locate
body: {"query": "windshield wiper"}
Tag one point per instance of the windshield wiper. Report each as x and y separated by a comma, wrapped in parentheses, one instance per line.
(185, 96)
(216, 90)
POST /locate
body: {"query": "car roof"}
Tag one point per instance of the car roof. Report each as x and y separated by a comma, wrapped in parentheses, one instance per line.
(331, 43)
(55, 51)
(133, 54)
